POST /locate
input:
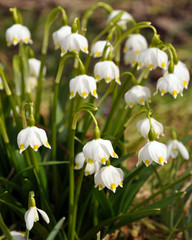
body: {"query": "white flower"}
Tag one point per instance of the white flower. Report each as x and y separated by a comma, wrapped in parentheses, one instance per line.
(182, 73)
(33, 137)
(74, 42)
(83, 84)
(98, 150)
(79, 161)
(34, 69)
(60, 34)
(143, 127)
(32, 216)
(92, 168)
(133, 46)
(124, 18)
(17, 33)
(1, 84)
(169, 83)
(17, 235)
(107, 70)
(98, 48)
(152, 58)
(137, 94)
(174, 147)
(153, 151)
(110, 177)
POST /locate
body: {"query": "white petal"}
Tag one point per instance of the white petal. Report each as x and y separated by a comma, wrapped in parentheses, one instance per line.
(30, 218)
(183, 150)
(44, 215)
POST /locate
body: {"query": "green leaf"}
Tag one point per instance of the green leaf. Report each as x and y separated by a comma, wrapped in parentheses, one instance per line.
(119, 221)
(56, 229)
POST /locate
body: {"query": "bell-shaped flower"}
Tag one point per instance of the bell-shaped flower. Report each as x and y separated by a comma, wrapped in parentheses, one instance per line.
(17, 235)
(107, 70)
(152, 58)
(59, 35)
(32, 216)
(137, 94)
(92, 168)
(79, 161)
(110, 177)
(34, 69)
(143, 127)
(74, 42)
(133, 46)
(98, 48)
(83, 84)
(126, 17)
(33, 137)
(175, 147)
(169, 83)
(98, 150)
(1, 84)
(182, 73)
(153, 151)
(17, 33)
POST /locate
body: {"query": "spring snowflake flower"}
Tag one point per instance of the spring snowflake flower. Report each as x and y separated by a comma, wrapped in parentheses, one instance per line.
(175, 147)
(98, 48)
(133, 46)
(137, 94)
(17, 33)
(152, 58)
(74, 42)
(34, 69)
(110, 177)
(33, 137)
(59, 35)
(91, 167)
(98, 150)
(143, 127)
(32, 216)
(169, 83)
(83, 84)
(17, 235)
(126, 17)
(182, 73)
(153, 151)
(107, 70)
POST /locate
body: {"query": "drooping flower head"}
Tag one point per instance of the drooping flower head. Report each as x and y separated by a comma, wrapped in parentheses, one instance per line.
(32, 215)
(33, 137)
(98, 150)
(169, 83)
(34, 69)
(83, 84)
(143, 127)
(59, 35)
(133, 46)
(137, 94)
(74, 42)
(91, 167)
(175, 147)
(107, 70)
(98, 48)
(152, 58)
(110, 177)
(17, 33)
(182, 73)
(153, 151)
(126, 17)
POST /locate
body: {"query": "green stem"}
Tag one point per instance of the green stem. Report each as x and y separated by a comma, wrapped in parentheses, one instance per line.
(78, 189)
(159, 180)
(71, 232)
(5, 229)
(26, 234)
(49, 21)
(10, 97)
